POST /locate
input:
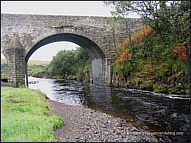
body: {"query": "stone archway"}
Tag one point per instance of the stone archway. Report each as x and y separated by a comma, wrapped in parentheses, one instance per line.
(99, 67)
(21, 32)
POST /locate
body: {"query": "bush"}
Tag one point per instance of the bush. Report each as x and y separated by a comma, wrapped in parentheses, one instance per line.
(147, 85)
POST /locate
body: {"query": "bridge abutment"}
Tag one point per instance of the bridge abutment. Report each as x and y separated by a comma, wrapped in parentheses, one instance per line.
(109, 71)
(15, 55)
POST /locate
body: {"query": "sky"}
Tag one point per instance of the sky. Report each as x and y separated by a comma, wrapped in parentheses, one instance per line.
(76, 8)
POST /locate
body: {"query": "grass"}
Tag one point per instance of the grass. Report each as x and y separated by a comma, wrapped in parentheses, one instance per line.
(27, 121)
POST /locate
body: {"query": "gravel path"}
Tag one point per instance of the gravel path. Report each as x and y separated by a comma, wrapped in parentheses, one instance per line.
(87, 125)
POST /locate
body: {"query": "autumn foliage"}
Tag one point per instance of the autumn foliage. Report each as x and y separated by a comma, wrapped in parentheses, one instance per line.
(161, 60)
(160, 52)
(182, 52)
(155, 67)
(123, 50)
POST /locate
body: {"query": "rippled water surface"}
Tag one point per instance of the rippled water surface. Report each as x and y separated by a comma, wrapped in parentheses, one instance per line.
(155, 113)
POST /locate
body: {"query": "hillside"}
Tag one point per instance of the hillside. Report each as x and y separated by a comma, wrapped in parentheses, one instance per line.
(30, 62)
(34, 62)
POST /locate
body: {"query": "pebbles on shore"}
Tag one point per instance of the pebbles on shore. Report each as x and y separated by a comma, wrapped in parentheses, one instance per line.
(86, 125)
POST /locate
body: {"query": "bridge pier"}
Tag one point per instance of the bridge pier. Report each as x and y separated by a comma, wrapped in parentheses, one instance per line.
(98, 71)
(109, 71)
(102, 71)
(15, 55)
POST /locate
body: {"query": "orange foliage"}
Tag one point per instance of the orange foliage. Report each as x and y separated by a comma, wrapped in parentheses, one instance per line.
(148, 66)
(181, 52)
(155, 67)
(122, 49)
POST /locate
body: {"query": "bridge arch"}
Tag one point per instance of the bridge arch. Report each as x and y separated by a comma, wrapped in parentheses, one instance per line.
(92, 48)
(99, 74)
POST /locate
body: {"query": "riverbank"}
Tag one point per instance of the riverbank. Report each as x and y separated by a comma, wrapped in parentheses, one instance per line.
(25, 117)
(88, 125)
(178, 84)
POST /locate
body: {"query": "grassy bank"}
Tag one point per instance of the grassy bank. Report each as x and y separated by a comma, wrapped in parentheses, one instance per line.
(25, 117)
(147, 61)
(175, 85)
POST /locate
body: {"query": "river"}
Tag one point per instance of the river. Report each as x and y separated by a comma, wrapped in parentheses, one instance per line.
(165, 116)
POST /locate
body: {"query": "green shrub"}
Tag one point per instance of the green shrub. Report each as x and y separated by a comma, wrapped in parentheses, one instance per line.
(147, 85)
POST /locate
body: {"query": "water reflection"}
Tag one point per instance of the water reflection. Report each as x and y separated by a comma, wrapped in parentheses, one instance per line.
(44, 85)
(147, 111)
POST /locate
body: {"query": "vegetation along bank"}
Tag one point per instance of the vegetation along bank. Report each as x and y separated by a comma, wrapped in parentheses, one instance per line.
(25, 117)
(156, 58)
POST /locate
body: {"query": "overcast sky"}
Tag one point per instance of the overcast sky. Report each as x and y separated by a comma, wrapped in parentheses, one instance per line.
(78, 8)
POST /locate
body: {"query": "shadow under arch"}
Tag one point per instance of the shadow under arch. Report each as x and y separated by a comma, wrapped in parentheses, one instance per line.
(96, 54)
(92, 48)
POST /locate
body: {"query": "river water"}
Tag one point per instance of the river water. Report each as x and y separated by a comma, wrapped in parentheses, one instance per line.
(165, 116)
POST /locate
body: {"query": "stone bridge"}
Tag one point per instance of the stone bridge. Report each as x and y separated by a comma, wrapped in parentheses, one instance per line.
(23, 34)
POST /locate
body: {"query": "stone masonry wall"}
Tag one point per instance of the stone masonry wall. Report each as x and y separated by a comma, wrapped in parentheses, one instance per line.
(15, 63)
(33, 28)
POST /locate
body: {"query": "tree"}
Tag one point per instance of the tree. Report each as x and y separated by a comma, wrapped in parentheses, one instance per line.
(61, 62)
(72, 62)
(169, 19)
(160, 15)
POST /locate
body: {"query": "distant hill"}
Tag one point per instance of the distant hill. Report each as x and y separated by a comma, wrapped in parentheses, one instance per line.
(34, 62)
(30, 62)
(3, 61)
